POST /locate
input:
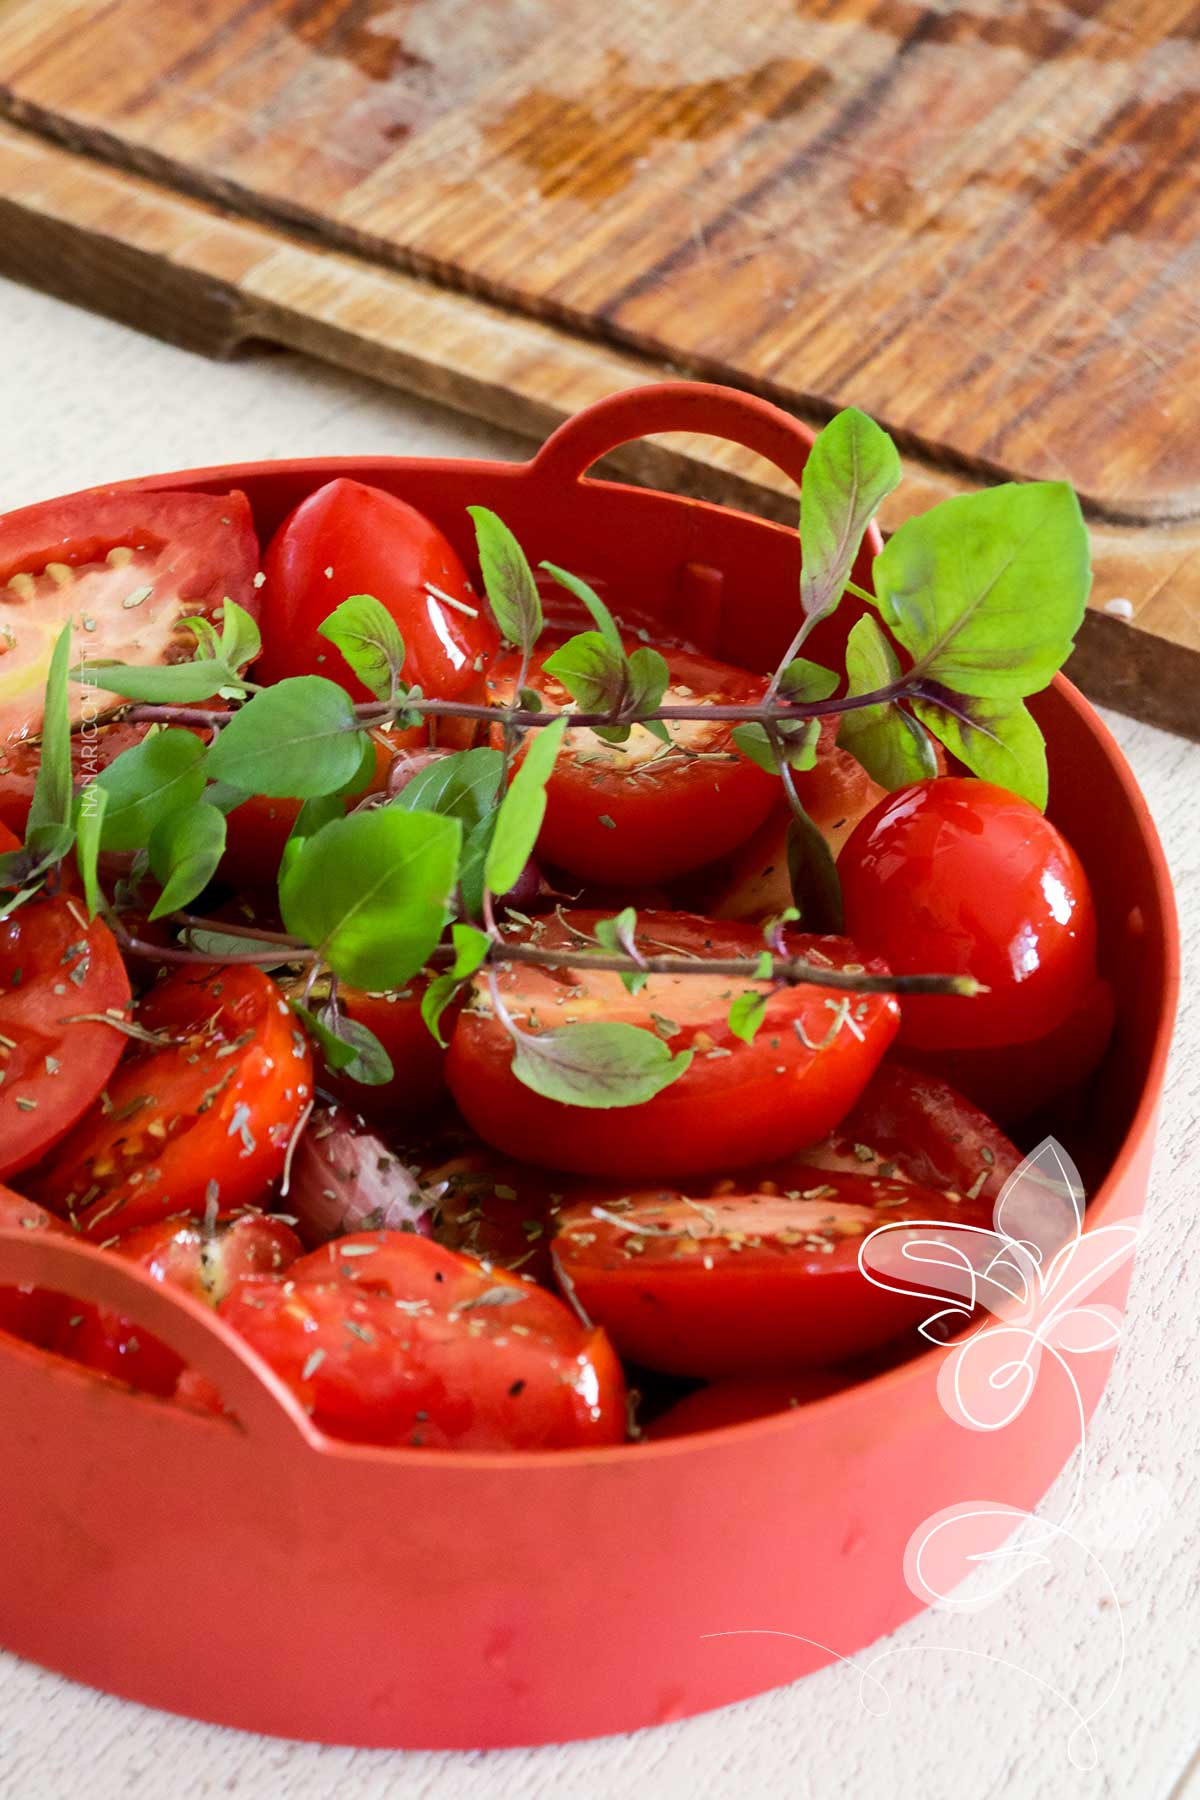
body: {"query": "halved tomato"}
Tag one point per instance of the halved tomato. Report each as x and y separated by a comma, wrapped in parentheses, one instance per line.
(61, 982)
(388, 1338)
(418, 1060)
(208, 1116)
(349, 538)
(643, 811)
(123, 568)
(737, 1103)
(752, 1275)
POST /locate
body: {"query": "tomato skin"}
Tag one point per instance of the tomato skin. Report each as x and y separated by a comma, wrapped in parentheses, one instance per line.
(762, 1280)
(32, 1314)
(673, 815)
(491, 1207)
(419, 1081)
(19, 764)
(215, 1114)
(1010, 1082)
(736, 1104)
(416, 1349)
(205, 1261)
(909, 1122)
(957, 876)
(375, 544)
(732, 1402)
(182, 553)
(54, 965)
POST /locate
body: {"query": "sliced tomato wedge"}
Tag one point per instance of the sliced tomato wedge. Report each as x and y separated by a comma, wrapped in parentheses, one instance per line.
(912, 1124)
(123, 568)
(347, 539)
(205, 1118)
(29, 1313)
(388, 1338)
(205, 1260)
(643, 811)
(61, 981)
(737, 1103)
(745, 1276)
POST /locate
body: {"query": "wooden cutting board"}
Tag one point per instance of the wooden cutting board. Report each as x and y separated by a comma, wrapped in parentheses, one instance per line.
(979, 221)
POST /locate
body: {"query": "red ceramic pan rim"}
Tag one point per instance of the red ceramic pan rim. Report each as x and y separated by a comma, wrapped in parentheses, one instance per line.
(888, 1380)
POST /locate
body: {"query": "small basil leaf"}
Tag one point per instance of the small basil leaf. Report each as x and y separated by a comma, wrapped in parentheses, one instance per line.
(604, 620)
(90, 808)
(295, 740)
(620, 935)
(802, 680)
(522, 809)
(508, 580)
(161, 775)
(241, 640)
(597, 1064)
(185, 848)
(999, 740)
(885, 738)
(52, 788)
(814, 877)
(852, 467)
(746, 1014)
(172, 684)
(347, 1047)
(367, 636)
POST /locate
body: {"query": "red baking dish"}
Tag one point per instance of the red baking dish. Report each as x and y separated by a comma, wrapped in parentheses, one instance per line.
(262, 1576)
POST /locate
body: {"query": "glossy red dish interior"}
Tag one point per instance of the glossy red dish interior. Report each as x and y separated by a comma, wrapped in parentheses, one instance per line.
(268, 1578)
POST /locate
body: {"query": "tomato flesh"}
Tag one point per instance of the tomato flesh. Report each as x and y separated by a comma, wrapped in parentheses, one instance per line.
(59, 977)
(737, 1103)
(643, 811)
(387, 1338)
(956, 876)
(750, 1276)
(122, 568)
(208, 1115)
(347, 539)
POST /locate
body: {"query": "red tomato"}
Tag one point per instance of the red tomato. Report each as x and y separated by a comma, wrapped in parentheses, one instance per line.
(210, 1114)
(388, 1338)
(722, 1403)
(28, 1313)
(490, 1207)
(343, 1179)
(1012, 1081)
(90, 752)
(911, 1124)
(123, 568)
(419, 1082)
(754, 1277)
(59, 976)
(351, 539)
(955, 876)
(205, 1260)
(643, 811)
(737, 1103)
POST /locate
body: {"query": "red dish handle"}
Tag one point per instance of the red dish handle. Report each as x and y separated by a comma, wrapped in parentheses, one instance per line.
(697, 406)
(250, 1389)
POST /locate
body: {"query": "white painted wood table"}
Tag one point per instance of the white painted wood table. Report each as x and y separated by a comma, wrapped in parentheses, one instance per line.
(979, 1705)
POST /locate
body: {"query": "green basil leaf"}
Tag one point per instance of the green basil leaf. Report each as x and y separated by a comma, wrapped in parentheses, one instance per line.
(470, 950)
(156, 684)
(522, 809)
(185, 849)
(648, 678)
(597, 1064)
(435, 1000)
(241, 640)
(295, 740)
(367, 636)
(813, 874)
(852, 468)
(161, 775)
(90, 808)
(462, 786)
(746, 1014)
(999, 740)
(347, 1047)
(805, 681)
(508, 580)
(313, 816)
(987, 590)
(208, 638)
(799, 744)
(52, 788)
(370, 893)
(620, 936)
(593, 673)
(218, 945)
(886, 739)
(604, 620)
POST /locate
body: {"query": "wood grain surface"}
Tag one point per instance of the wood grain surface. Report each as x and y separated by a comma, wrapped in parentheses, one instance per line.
(968, 1711)
(203, 278)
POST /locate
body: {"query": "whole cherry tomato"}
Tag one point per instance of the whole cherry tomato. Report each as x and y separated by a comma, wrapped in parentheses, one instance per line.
(206, 1260)
(753, 1276)
(348, 539)
(643, 810)
(61, 980)
(388, 1338)
(735, 1104)
(208, 1115)
(956, 876)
